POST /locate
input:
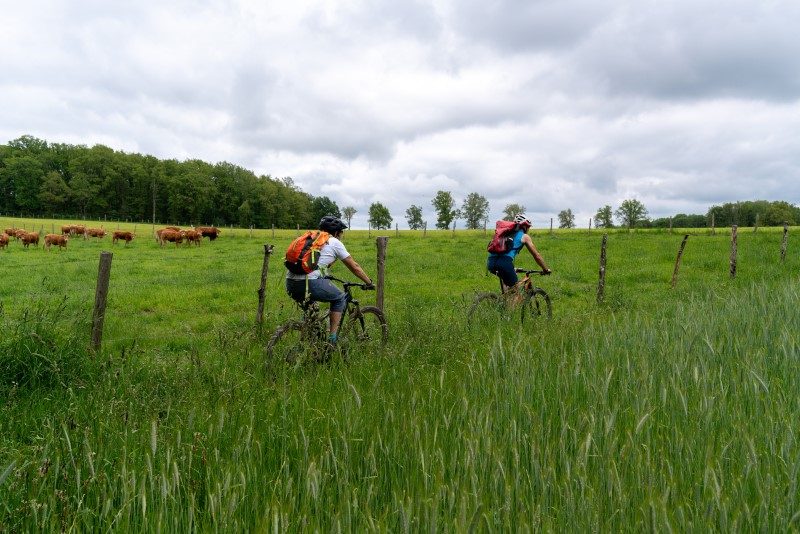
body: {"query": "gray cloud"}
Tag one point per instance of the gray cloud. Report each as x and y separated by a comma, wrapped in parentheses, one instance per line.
(573, 104)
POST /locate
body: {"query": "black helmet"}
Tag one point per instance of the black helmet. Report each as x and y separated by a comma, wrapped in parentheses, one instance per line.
(332, 224)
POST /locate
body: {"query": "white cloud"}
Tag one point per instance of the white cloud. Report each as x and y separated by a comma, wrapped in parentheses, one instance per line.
(550, 104)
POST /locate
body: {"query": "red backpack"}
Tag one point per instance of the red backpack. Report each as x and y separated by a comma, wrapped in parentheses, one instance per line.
(503, 240)
(303, 254)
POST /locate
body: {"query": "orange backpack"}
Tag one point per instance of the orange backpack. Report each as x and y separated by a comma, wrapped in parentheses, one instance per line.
(303, 254)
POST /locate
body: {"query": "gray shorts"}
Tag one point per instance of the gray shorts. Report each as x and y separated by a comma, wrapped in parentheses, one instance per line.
(320, 289)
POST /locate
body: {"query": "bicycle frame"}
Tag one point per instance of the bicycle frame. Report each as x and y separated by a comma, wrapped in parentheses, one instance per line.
(525, 283)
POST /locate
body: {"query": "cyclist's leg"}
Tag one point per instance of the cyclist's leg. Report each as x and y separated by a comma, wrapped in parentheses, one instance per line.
(503, 267)
(496, 266)
(324, 291)
(509, 281)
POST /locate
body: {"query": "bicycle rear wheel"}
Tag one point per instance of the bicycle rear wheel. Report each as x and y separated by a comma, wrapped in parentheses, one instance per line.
(366, 331)
(485, 307)
(293, 342)
(536, 304)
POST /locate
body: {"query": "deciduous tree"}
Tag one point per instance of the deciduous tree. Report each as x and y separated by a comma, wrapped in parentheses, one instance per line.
(414, 217)
(475, 210)
(566, 219)
(604, 217)
(631, 212)
(348, 213)
(511, 210)
(444, 205)
(379, 216)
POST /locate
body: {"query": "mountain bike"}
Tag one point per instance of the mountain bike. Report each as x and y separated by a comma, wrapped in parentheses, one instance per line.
(535, 300)
(363, 329)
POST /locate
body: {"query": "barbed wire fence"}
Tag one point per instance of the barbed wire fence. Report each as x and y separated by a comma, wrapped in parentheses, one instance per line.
(125, 301)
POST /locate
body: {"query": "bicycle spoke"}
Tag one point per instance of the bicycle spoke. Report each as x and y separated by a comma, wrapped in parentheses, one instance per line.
(366, 332)
(536, 305)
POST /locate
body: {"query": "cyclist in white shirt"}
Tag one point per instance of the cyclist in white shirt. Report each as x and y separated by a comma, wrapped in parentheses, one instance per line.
(321, 289)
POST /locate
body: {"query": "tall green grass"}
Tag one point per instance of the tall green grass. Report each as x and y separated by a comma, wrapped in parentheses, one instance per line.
(660, 410)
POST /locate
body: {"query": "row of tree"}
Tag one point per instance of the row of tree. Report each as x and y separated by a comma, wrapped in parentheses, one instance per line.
(633, 214)
(38, 178)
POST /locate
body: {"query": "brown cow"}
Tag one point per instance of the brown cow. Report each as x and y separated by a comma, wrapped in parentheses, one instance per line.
(78, 229)
(66, 229)
(125, 236)
(170, 235)
(31, 238)
(159, 231)
(55, 239)
(192, 236)
(3, 240)
(12, 232)
(96, 232)
(211, 232)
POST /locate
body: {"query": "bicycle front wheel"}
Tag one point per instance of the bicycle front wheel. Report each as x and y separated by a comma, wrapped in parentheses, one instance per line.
(536, 304)
(366, 331)
(290, 343)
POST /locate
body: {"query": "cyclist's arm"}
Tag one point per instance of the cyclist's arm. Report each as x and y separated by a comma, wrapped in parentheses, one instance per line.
(356, 269)
(528, 242)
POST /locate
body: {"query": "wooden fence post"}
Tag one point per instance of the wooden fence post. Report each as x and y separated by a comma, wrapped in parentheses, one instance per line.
(251, 231)
(263, 287)
(755, 228)
(425, 229)
(100, 298)
(454, 227)
(381, 243)
(396, 230)
(713, 230)
(678, 259)
(590, 223)
(273, 229)
(369, 229)
(785, 240)
(733, 251)
(601, 286)
(551, 225)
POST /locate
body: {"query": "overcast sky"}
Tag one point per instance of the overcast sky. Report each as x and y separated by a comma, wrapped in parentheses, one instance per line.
(550, 104)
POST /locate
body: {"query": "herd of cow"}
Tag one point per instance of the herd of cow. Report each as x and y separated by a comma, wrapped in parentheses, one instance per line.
(170, 234)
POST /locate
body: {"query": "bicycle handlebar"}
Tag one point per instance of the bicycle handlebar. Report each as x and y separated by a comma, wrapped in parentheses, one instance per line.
(529, 272)
(346, 284)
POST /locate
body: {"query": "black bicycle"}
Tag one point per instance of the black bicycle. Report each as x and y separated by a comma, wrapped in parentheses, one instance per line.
(535, 300)
(363, 329)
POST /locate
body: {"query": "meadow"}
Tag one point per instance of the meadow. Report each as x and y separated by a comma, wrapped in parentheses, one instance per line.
(659, 409)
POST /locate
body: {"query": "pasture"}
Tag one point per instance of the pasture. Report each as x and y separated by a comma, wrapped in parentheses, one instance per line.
(659, 409)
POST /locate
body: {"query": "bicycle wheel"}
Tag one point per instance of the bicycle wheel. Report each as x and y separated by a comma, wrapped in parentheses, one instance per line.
(366, 331)
(537, 304)
(292, 342)
(485, 307)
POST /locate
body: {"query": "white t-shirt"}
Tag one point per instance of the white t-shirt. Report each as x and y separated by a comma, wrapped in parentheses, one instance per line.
(330, 252)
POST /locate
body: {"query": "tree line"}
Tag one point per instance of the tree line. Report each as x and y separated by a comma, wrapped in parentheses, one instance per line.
(41, 179)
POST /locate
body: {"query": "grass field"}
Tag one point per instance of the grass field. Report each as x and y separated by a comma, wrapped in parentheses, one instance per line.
(661, 409)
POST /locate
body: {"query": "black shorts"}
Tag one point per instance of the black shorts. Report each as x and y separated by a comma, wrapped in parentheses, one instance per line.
(503, 267)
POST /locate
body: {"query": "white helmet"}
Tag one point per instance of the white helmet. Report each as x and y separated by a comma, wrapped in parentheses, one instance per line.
(520, 218)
